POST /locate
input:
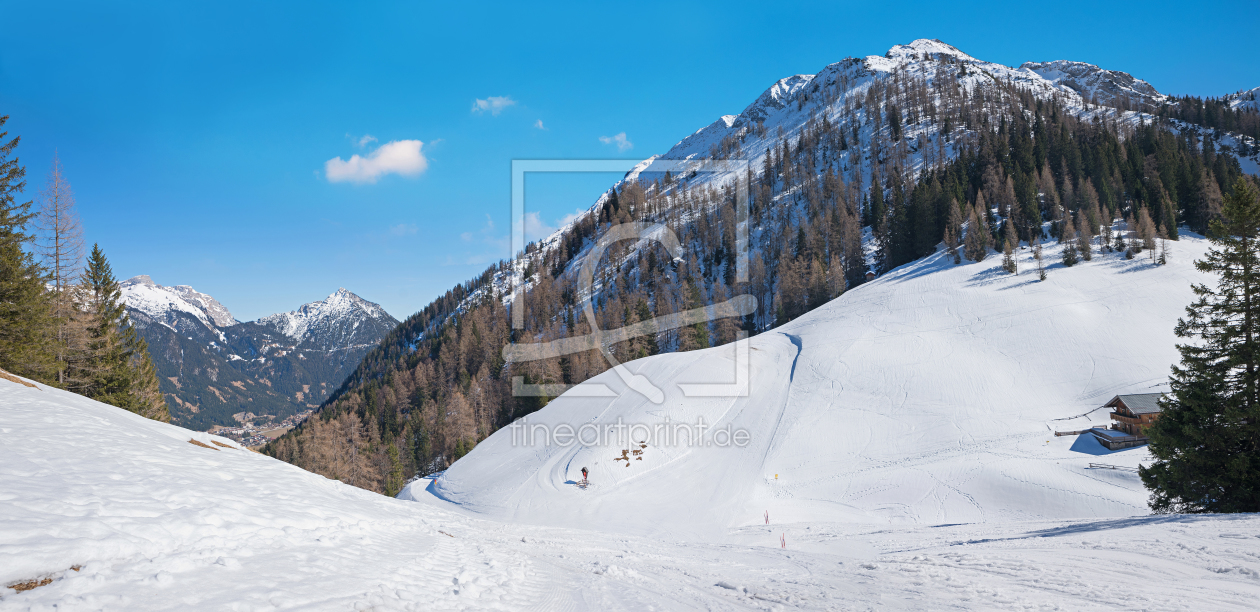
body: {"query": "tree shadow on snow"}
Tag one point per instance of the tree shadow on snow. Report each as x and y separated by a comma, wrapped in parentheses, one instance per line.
(1113, 524)
(932, 263)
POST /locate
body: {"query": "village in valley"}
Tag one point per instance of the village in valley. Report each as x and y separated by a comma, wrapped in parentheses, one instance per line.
(258, 429)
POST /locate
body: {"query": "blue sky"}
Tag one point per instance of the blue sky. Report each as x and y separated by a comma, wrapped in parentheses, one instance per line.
(198, 138)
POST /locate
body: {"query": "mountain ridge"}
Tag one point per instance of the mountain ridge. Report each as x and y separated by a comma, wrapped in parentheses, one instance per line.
(213, 368)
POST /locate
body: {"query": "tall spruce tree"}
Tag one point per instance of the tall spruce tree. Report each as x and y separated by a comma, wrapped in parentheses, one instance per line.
(26, 322)
(1206, 442)
(953, 230)
(1009, 242)
(114, 366)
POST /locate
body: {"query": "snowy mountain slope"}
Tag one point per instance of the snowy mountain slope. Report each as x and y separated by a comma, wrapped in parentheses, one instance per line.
(340, 321)
(212, 366)
(1100, 86)
(1245, 99)
(927, 396)
(136, 518)
(791, 102)
(162, 303)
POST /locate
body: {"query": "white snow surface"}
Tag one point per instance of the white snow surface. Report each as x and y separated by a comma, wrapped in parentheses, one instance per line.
(160, 303)
(930, 395)
(1247, 99)
(908, 422)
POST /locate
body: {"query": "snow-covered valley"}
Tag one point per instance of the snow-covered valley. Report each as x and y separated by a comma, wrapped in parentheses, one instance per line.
(909, 423)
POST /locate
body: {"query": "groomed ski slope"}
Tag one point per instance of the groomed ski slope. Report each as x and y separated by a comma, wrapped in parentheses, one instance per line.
(153, 522)
(927, 396)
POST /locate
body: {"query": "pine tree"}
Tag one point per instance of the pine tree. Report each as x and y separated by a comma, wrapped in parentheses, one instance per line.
(1146, 232)
(394, 479)
(26, 322)
(1084, 236)
(146, 393)
(113, 365)
(977, 241)
(953, 230)
(647, 343)
(1008, 248)
(1041, 268)
(696, 336)
(1206, 442)
(1068, 238)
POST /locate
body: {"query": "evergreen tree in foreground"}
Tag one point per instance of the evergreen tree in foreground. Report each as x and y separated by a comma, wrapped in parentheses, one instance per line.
(112, 365)
(26, 321)
(1206, 442)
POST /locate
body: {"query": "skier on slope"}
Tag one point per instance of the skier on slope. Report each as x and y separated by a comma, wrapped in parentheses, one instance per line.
(583, 474)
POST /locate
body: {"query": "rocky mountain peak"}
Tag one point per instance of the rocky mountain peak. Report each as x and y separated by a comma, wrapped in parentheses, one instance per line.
(1107, 87)
(342, 319)
(162, 303)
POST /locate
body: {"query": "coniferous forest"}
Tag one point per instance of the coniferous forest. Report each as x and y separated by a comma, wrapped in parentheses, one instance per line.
(62, 320)
(1006, 171)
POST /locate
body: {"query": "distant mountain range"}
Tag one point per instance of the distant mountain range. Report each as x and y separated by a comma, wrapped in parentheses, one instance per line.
(213, 366)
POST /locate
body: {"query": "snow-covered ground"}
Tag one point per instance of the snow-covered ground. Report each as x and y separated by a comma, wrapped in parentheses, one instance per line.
(156, 523)
(909, 424)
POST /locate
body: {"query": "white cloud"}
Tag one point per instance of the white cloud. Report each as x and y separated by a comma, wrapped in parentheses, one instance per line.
(398, 157)
(494, 104)
(403, 229)
(366, 140)
(538, 124)
(620, 140)
(486, 232)
(571, 217)
(536, 228)
(490, 247)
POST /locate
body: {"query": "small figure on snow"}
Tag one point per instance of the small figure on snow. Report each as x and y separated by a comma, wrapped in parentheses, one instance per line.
(584, 482)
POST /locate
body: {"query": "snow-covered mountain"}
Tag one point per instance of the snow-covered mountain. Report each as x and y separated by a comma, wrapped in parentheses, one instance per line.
(342, 320)
(212, 366)
(149, 516)
(162, 303)
(1098, 85)
(842, 86)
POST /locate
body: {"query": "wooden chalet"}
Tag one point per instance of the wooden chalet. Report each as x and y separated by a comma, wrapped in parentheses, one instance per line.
(1130, 415)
